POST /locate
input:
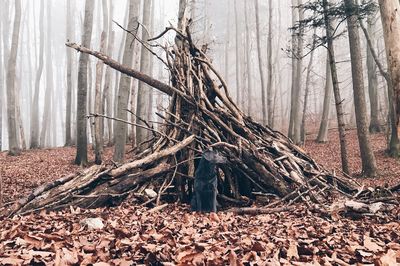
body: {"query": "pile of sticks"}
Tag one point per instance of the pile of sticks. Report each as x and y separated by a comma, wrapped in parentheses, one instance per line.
(201, 115)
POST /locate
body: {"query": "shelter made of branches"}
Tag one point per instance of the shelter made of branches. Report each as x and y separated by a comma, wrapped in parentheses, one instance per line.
(201, 114)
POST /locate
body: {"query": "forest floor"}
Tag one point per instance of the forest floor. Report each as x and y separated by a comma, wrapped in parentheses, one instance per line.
(132, 234)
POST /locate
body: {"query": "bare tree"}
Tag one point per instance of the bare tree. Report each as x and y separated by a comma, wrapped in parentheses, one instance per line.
(367, 155)
(306, 90)
(237, 38)
(270, 68)
(336, 89)
(81, 121)
(14, 148)
(68, 112)
(265, 119)
(374, 125)
(107, 93)
(49, 83)
(391, 31)
(34, 143)
(324, 125)
(98, 104)
(248, 59)
(143, 96)
(120, 129)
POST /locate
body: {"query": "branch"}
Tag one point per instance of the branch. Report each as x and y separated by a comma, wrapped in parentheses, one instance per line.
(127, 71)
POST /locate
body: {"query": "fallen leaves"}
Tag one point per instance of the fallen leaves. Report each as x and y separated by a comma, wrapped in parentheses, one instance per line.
(177, 236)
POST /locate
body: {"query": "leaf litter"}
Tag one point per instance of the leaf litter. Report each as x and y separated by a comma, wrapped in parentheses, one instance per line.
(131, 235)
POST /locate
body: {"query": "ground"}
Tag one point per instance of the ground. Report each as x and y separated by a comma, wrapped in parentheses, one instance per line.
(174, 235)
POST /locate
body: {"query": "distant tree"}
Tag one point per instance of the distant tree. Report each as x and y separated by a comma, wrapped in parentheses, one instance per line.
(367, 155)
(143, 96)
(120, 129)
(45, 132)
(260, 54)
(237, 53)
(248, 59)
(374, 124)
(13, 143)
(34, 143)
(324, 125)
(390, 17)
(81, 120)
(270, 67)
(98, 105)
(68, 112)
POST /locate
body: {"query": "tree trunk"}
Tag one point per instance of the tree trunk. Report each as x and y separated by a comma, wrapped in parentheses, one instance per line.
(237, 38)
(270, 68)
(294, 85)
(81, 121)
(44, 141)
(14, 148)
(265, 118)
(391, 31)
(306, 91)
(336, 90)
(68, 112)
(143, 95)
(367, 155)
(120, 129)
(98, 104)
(374, 124)
(248, 60)
(107, 92)
(324, 125)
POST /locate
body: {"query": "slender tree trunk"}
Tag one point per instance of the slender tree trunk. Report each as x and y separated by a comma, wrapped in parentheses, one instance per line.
(14, 148)
(324, 125)
(143, 95)
(391, 31)
(120, 129)
(367, 155)
(270, 68)
(237, 38)
(227, 41)
(34, 143)
(98, 105)
(265, 118)
(248, 59)
(295, 85)
(1, 93)
(81, 121)
(49, 82)
(374, 125)
(68, 112)
(336, 89)
(306, 92)
(107, 92)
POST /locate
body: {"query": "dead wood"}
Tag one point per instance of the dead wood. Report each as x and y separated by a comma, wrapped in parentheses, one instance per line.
(201, 115)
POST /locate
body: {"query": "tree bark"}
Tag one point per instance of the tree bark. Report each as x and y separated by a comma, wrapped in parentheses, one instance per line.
(237, 38)
(374, 124)
(143, 96)
(367, 155)
(13, 143)
(81, 120)
(270, 68)
(336, 89)
(248, 59)
(391, 31)
(306, 92)
(265, 117)
(324, 125)
(294, 88)
(120, 129)
(44, 140)
(68, 112)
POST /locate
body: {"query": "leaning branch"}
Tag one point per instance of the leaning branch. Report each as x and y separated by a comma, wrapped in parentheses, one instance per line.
(126, 70)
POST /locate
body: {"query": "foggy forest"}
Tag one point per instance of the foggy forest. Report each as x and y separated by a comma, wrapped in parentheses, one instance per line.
(199, 132)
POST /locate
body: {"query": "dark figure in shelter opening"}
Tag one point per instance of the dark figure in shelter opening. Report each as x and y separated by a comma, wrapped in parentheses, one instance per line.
(205, 183)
